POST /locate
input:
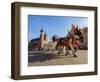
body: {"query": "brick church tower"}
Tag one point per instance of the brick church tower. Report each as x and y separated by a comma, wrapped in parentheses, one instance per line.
(43, 38)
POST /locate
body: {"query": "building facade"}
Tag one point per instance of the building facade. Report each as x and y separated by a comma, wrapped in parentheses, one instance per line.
(38, 43)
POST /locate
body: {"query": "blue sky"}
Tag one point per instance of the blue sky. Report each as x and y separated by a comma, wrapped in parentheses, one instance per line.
(58, 25)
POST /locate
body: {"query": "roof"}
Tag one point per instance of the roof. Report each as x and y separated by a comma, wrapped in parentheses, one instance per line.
(36, 39)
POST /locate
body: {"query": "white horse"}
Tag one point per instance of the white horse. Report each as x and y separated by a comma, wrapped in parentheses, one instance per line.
(51, 46)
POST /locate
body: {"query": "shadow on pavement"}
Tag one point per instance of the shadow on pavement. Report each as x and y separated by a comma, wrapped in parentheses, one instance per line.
(44, 57)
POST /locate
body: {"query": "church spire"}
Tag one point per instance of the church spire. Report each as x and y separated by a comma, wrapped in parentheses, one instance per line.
(41, 29)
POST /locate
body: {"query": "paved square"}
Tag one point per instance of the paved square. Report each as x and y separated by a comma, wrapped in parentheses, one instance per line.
(82, 58)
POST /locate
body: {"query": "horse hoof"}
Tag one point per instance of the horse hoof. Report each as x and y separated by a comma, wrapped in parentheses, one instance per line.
(58, 52)
(75, 55)
(67, 54)
(75, 51)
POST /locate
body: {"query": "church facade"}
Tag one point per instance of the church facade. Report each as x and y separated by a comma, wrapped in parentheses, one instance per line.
(38, 43)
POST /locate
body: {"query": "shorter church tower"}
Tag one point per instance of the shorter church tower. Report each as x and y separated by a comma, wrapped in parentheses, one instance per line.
(45, 38)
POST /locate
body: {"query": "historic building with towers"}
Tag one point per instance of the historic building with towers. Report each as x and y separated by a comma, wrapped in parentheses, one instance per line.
(42, 42)
(38, 43)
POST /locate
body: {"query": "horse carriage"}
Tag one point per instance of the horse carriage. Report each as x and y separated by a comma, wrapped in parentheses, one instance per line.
(63, 44)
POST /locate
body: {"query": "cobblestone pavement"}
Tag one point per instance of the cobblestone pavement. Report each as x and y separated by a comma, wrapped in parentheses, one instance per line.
(82, 58)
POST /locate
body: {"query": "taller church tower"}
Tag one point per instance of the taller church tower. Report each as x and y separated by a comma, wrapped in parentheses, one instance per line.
(43, 38)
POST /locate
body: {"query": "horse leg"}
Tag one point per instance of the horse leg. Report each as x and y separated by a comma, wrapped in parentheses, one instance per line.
(72, 48)
(75, 49)
(63, 50)
(67, 50)
(59, 50)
